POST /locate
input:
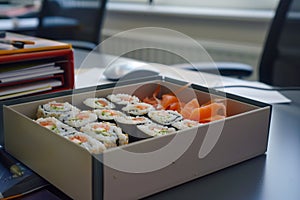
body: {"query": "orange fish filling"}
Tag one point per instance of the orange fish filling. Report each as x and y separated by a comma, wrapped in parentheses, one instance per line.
(101, 102)
(82, 139)
(46, 123)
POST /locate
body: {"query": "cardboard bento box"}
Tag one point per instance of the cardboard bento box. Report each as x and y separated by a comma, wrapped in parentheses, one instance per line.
(143, 167)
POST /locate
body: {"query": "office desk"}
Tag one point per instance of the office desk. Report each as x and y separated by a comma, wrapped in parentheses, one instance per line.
(273, 176)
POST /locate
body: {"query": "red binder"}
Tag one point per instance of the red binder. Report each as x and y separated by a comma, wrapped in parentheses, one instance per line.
(47, 66)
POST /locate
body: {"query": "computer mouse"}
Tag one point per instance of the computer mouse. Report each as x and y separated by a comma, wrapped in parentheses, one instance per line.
(128, 69)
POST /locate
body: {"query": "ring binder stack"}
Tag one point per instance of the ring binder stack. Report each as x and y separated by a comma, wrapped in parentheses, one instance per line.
(43, 66)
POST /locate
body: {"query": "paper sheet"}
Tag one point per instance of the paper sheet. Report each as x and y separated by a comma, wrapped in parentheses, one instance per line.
(271, 97)
(28, 88)
(211, 80)
(93, 76)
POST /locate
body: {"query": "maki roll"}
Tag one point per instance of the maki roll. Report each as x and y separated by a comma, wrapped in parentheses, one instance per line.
(185, 124)
(55, 109)
(55, 126)
(123, 99)
(106, 132)
(129, 125)
(79, 119)
(131, 120)
(99, 103)
(164, 117)
(107, 114)
(153, 129)
(92, 145)
(138, 108)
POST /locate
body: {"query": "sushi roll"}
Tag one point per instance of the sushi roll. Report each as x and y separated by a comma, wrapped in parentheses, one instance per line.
(79, 119)
(138, 108)
(185, 124)
(131, 120)
(92, 145)
(153, 129)
(129, 125)
(106, 132)
(107, 114)
(55, 126)
(55, 109)
(99, 103)
(123, 99)
(164, 117)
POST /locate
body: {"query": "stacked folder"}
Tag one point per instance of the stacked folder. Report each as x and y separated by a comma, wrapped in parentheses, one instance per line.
(37, 67)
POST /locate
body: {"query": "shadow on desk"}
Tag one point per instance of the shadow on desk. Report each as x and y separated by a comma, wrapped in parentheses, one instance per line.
(48, 193)
(221, 185)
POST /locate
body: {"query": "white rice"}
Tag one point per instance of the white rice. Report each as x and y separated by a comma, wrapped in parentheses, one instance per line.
(105, 132)
(185, 124)
(99, 103)
(132, 120)
(92, 145)
(138, 108)
(55, 126)
(123, 99)
(107, 114)
(153, 129)
(79, 119)
(165, 117)
(55, 109)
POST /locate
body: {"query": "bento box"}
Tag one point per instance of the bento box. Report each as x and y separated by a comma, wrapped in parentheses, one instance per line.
(146, 165)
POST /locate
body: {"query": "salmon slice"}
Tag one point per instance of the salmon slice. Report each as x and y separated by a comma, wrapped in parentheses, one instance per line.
(154, 101)
(176, 106)
(167, 100)
(189, 107)
(208, 112)
(151, 101)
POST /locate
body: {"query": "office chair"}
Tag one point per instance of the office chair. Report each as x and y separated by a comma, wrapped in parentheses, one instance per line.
(279, 65)
(78, 22)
